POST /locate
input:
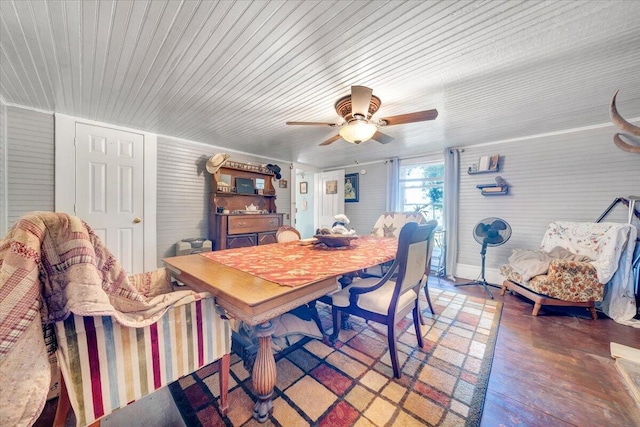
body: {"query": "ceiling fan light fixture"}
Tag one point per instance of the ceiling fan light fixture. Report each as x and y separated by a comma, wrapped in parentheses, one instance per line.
(358, 130)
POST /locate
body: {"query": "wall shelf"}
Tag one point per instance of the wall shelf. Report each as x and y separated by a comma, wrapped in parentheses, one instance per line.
(504, 190)
(229, 194)
(470, 172)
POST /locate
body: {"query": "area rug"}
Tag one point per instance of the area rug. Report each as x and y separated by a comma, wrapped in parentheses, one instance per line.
(352, 384)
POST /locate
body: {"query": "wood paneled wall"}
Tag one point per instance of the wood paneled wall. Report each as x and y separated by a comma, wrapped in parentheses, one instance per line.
(571, 176)
(183, 191)
(183, 182)
(372, 197)
(183, 194)
(29, 162)
(3, 169)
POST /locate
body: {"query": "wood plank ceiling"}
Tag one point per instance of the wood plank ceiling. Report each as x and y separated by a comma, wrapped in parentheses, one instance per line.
(232, 73)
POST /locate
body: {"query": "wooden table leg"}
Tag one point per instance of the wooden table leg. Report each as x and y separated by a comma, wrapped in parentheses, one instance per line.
(264, 373)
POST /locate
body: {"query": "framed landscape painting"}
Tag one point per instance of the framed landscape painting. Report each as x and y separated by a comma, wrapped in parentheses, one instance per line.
(351, 187)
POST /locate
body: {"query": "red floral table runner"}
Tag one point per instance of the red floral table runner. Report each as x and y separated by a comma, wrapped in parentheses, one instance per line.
(291, 264)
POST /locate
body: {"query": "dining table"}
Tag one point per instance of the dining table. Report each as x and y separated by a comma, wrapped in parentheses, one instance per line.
(258, 283)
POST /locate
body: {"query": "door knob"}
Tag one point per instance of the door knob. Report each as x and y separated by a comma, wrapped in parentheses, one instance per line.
(137, 220)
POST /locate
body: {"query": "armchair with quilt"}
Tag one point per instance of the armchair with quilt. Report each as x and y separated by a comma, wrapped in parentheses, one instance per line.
(575, 262)
(118, 337)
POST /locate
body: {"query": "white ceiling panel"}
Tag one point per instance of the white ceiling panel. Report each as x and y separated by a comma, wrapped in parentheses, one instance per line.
(232, 73)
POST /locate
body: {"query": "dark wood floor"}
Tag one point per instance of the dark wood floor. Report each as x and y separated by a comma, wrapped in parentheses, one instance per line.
(554, 369)
(551, 370)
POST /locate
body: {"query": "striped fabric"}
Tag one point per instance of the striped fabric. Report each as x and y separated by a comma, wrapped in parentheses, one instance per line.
(107, 366)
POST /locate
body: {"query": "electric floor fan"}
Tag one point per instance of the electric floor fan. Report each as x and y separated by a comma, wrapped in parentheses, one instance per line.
(489, 232)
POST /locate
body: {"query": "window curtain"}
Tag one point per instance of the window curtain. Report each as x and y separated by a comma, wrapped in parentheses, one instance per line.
(451, 206)
(393, 185)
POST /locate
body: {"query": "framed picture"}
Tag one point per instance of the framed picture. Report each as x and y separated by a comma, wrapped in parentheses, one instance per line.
(351, 187)
(282, 183)
(331, 187)
(244, 186)
(303, 187)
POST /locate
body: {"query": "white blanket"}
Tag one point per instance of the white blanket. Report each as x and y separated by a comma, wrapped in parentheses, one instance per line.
(529, 263)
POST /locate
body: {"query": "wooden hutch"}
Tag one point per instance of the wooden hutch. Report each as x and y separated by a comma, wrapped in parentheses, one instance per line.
(234, 187)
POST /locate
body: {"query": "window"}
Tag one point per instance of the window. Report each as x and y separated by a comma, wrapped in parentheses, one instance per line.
(422, 187)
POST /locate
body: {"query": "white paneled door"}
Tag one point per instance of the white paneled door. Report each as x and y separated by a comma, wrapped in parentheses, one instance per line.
(330, 197)
(109, 189)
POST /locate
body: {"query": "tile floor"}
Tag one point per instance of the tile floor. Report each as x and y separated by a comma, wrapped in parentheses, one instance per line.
(352, 383)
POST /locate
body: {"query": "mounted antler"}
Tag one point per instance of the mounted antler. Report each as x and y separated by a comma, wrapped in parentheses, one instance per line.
(624, 125)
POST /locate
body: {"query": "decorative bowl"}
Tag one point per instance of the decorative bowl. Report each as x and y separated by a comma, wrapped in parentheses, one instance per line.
(335, 240)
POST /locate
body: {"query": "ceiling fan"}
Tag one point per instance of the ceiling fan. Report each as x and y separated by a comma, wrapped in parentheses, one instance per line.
(358, 126)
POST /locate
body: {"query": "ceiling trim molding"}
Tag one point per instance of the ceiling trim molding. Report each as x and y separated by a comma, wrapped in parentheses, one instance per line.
(39, 110)
(546, 134)
(223, 149)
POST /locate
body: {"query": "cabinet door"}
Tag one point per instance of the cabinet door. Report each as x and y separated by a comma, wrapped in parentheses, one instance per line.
(266, 238)
(241, 241)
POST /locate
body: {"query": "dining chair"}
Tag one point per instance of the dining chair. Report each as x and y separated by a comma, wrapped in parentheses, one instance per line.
(389, 224)
(287, 233)
(389, 299)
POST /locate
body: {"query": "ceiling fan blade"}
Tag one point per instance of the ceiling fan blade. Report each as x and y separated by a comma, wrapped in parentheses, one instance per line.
(312, 124)
(360, 99)
(382, 138)
(331, 140)
(418, 116)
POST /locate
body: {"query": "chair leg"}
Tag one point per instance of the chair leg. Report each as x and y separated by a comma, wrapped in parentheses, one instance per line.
(504, 289)
(594, 313)
(393, 351)
(416, 323)
(426, 293)
(224, 367)
(314, 315)
(64, 405)
(536, 308)
(335, 314)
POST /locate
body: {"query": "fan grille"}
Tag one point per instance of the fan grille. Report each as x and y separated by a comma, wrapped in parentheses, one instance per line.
(492, 231)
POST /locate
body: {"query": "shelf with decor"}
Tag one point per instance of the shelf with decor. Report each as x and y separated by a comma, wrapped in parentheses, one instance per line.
(233, 194)
(498, 189)
(494, 191)
(486, 164)
(243, 206)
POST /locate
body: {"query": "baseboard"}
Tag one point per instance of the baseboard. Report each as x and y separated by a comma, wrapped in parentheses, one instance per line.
(472, 272)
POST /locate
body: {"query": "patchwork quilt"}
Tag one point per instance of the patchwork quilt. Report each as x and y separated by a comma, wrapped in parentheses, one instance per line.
(53, 265)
